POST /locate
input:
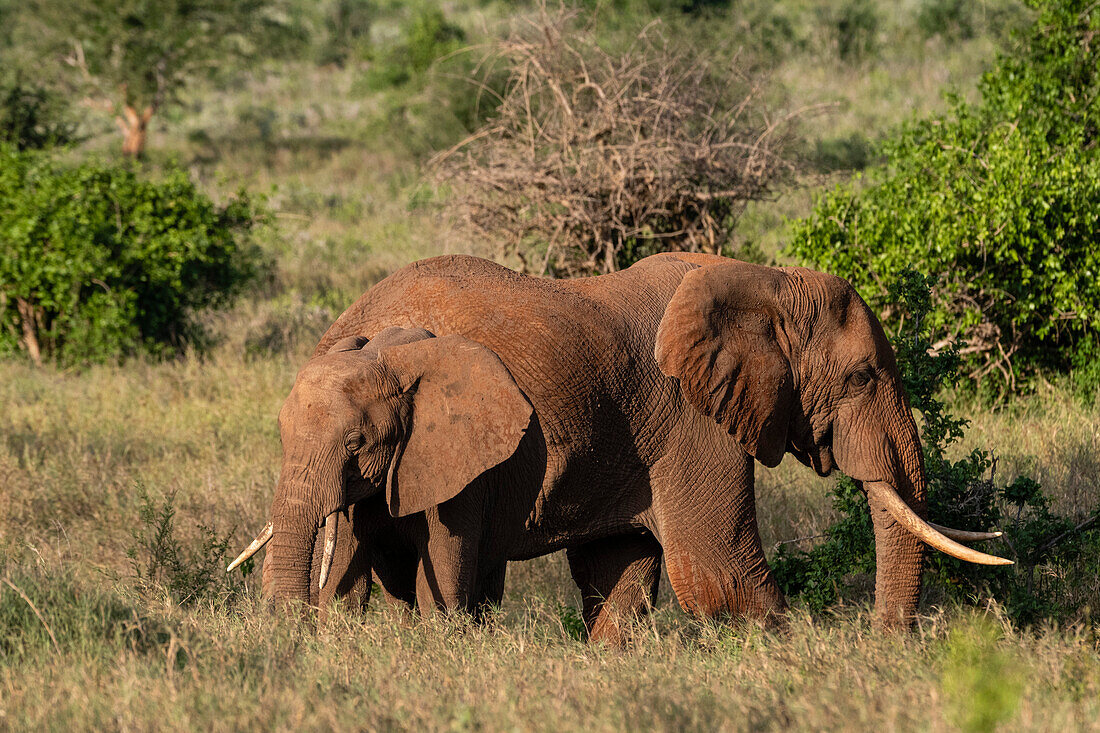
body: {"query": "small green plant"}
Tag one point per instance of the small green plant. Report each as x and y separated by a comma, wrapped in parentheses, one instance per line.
(571, 622)
(161, 563)
(980, 680)
(97, 263)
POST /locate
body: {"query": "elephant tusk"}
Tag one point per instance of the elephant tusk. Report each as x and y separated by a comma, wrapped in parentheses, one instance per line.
(962, 535)
(261, 540)
(907, 518)
(330, 549)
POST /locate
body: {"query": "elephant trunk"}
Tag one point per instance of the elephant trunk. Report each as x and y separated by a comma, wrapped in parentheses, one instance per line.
(899, 553)
(290, 555)
(898, 511)
(299, 506)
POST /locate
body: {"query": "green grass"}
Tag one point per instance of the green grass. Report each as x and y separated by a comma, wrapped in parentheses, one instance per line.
(126, 663)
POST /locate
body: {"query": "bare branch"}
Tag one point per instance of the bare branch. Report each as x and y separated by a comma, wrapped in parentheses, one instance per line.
(592, 157)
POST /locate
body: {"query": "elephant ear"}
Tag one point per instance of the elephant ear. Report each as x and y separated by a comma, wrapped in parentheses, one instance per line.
(384, 339)
(349, 343)
(468, 415)
(718, 336)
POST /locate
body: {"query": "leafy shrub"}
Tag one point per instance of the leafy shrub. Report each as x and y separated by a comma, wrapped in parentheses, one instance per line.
(32, 117)
(162, 563)
(1057, 556)
(855, 29)
(347, 24)
(949, 19)
(427, 37)
(851, 152)
(97, 263)
(1002, 197)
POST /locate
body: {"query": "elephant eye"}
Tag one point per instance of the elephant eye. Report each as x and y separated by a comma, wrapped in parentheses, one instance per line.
(354, 440)
(860, 378)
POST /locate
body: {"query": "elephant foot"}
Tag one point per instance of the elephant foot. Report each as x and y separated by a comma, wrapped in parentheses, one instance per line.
(618, 578)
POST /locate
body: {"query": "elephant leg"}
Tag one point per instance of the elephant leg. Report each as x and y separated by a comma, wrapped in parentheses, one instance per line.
(618, 578)
(439, 587)
(706, 516)
(490, 589)
(393, 556)
(449, 546)
(395, 572)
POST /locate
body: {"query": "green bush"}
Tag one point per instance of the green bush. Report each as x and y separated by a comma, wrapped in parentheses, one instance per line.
(428, 36)
(1001, 196)
(162, 563)
(97, 263)
(949, 19)
(33, 117)
(347, 26)
(855, 29)
(1057, 557)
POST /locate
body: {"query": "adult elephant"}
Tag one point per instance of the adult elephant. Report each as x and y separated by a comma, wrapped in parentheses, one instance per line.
(471, 415)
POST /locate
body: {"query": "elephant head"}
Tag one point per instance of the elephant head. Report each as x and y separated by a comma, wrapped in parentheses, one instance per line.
(793, 361)
(405, 413)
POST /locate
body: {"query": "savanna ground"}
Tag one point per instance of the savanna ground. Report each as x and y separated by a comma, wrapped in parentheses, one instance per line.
(98, 636)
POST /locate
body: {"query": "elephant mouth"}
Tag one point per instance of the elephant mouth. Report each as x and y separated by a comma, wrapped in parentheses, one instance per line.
(819, 456)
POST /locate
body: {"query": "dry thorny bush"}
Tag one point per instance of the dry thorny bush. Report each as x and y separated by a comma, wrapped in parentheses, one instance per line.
(594, 159)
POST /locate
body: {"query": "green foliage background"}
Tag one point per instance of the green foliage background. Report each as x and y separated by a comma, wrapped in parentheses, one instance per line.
(113, 263)
(1000, 198)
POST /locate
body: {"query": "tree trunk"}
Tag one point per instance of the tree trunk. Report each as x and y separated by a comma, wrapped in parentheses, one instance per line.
(29, 318)
(134, 127)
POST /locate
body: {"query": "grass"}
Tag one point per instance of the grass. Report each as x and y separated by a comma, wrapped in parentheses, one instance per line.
(77, 447)
(86, 645)
(122, 663)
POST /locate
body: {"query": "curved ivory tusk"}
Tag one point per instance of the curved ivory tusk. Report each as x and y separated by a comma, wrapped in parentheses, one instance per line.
(330, 549)
(962, 535)
(261, 540)
(907, 518)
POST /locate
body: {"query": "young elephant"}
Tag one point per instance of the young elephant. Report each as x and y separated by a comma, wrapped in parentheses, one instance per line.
(493, 417)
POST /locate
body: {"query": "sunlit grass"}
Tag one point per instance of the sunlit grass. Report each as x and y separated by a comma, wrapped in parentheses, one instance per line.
(124, 661)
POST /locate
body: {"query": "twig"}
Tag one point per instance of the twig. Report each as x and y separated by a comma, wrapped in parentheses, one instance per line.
(30, 603)
(775, 548)
(1091, 520)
